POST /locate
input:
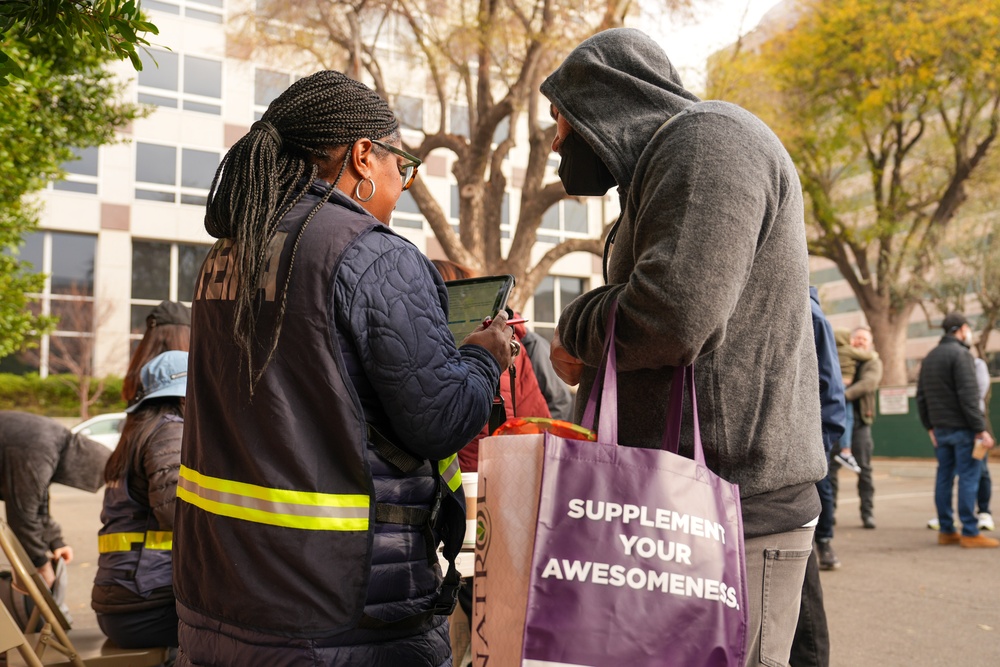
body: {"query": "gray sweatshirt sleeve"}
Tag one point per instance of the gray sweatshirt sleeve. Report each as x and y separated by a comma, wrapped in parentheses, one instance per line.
(701, 204)
(967, 390)
(983, 380)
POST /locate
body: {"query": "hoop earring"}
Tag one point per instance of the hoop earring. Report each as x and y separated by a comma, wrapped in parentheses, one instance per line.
(357, 190)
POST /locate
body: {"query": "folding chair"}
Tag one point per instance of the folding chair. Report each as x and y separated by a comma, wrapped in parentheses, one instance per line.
(11, 637)
(55, 625)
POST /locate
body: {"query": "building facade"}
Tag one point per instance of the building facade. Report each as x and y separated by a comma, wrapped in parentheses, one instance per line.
(124, 230)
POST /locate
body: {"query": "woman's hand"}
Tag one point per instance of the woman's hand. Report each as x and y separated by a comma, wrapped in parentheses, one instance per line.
(567, 367)
(497, 339)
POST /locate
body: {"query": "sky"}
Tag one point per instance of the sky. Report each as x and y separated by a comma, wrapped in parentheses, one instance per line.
(715, 24)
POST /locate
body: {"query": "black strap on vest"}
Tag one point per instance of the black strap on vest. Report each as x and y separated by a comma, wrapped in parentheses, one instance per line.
(404, 462)
(403, 515)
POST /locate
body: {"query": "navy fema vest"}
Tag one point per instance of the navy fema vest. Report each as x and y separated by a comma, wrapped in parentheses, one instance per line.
(134, 551)
(276, 502)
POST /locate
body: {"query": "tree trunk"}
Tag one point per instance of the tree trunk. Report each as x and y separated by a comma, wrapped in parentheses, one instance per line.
(83, 394)
(889, 332)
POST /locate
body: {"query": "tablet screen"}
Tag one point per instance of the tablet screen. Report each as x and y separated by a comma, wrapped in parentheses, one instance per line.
(469, 301)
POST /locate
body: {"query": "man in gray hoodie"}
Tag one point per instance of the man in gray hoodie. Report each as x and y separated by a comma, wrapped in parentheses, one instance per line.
(708, 264)
(36, 452)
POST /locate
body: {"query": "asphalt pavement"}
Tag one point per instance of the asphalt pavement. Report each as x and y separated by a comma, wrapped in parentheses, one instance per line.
(899, 599)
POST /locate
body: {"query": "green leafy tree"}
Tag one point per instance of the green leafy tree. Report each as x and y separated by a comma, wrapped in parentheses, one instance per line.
(888, 108)
(485, 58)
(116, 27)
(65, 99)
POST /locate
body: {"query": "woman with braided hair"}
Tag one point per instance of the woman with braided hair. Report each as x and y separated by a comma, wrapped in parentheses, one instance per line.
(326, 403)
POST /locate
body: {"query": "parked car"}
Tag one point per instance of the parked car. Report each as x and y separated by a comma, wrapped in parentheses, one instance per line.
(105, 429)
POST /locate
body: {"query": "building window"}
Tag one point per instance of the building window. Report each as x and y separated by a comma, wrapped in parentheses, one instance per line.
(162, 270)
(161, 176)
(410, 111)
(502, 131)
(267, 85)
(201, 10)
(505, 228)
(81, 172)
(175, 81)
(68, 294)
(459, 119)
(568, 218)
(407, 213)
(553, 294)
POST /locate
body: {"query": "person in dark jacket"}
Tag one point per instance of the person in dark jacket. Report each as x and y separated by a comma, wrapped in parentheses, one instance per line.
(708, 265)
(326, 402)
(811, 645)
(36, 452)
(133, 591)
(948, 403)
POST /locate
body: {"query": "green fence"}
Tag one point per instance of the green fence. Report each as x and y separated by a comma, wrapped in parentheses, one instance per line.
(904, 435)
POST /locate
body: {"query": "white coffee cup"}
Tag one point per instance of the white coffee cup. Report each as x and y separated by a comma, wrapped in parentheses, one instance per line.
(470, 482)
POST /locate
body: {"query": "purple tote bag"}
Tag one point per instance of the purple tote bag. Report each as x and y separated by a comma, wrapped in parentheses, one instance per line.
(638, 556)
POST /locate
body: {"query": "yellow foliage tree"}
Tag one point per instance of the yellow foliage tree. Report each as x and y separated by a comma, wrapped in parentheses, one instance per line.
(888, 108)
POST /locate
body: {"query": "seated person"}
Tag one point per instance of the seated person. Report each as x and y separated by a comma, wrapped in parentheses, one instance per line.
(133, 591)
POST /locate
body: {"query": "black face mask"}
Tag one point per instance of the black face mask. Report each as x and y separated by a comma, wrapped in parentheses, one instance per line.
(581, 171)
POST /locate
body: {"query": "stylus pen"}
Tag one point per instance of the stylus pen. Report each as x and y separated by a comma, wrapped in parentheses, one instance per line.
(488, 321)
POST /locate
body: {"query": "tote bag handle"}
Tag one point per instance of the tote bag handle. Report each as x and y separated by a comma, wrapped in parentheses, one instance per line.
(606, 384)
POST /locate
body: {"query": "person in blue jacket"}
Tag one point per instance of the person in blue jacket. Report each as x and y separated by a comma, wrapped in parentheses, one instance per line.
(811, 644)
(326, 402)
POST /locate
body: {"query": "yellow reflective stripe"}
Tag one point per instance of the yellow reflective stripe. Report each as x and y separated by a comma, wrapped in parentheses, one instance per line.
(112, 542)
(160, 539)
(274, 495)
(450, 472)
(154, 539)
(277, 507)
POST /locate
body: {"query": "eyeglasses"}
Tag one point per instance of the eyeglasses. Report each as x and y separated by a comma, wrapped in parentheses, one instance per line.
(407, 170)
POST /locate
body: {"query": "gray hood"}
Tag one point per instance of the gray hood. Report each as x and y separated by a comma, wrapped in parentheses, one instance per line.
(43, 448)
(82, 464)
(616, 89)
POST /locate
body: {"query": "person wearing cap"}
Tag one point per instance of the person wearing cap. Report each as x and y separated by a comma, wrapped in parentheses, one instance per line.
(168, 327)
(36, 452)
(948, 403)
(133, 590)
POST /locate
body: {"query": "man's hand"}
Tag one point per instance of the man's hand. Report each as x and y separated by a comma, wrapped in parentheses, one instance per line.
(66, 553)
(567, 367)
(496, 338)
(933, 439)
(987, 439)
(48, 574)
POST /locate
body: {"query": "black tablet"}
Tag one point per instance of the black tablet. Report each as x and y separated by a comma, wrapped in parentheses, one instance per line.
(472, 299)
